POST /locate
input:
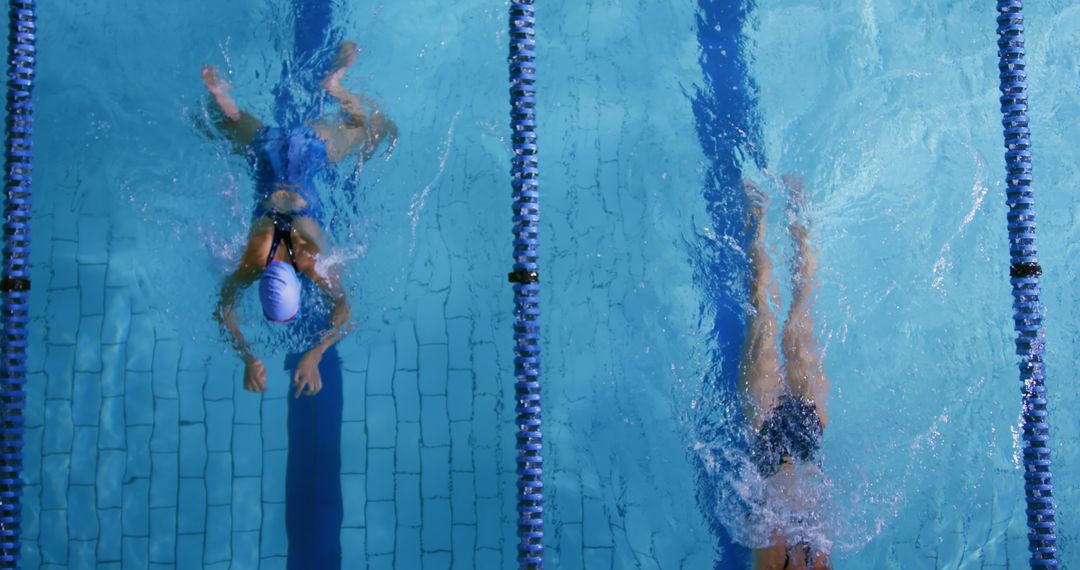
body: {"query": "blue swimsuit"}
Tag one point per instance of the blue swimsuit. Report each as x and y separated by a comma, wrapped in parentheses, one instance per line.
(288, 157)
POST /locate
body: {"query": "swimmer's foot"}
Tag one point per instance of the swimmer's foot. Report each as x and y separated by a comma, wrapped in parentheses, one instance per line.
(220, 88)
(347, 54)
(804, 262)
(216, 84)
(762, 288)
(797, 218)
(348, 51)
(757, 202)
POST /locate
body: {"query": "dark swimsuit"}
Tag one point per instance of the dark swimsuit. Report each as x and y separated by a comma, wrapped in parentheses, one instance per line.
(792, 430)
(282, 233)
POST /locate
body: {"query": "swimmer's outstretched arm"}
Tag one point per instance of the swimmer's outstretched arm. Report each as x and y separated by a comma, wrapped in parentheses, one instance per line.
(238, 125)
(307, 378)
(254, 369)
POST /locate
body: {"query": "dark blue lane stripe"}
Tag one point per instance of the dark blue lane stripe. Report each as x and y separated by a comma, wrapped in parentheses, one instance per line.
(313, 504)
(728, 128)
(315, 44)
(311, 34)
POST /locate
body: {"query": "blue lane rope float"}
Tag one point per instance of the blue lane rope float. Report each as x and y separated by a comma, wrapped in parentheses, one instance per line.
(15, 284)
(1024, 276)
(526, 280)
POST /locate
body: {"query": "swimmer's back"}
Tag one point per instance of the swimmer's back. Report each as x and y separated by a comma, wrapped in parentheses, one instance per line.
(292, 159)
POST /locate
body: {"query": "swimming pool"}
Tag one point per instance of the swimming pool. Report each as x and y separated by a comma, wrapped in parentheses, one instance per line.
(143, 451)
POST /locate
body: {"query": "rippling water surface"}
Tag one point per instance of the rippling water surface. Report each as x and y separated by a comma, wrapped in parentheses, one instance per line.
(142, 449)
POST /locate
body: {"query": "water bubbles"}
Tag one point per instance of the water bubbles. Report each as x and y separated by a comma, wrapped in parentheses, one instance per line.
(1018, 444)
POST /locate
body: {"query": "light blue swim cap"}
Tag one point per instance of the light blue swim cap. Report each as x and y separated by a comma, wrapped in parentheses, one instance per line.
(279, 291)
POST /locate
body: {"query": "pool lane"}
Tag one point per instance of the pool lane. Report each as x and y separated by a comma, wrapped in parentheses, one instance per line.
(313, 503)
(313, 500)
(728, 129)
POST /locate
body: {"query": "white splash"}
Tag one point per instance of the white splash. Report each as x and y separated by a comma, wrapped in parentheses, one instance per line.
(1018, 442)
(338, 257)
(416, 206)
(978, 194)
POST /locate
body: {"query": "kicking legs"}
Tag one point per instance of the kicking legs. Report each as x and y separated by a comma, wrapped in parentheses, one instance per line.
(761, 377)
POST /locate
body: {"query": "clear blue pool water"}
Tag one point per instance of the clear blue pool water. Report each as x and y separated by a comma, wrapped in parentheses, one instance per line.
(144, 451)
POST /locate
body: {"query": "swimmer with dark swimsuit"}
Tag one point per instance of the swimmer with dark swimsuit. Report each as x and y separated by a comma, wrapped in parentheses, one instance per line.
(286, 235)
(785, 402)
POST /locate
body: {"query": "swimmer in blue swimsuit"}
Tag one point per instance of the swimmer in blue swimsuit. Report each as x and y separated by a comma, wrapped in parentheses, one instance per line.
(785, 402)
(286, 236)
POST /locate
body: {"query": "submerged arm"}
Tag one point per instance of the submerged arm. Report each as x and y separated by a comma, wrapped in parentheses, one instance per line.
(226, 309)
(306, 377)
(339, 317)
(247, 272)
(245, 275)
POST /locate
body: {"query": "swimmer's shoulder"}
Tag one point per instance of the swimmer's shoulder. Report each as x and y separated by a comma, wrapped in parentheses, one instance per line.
(258, 245)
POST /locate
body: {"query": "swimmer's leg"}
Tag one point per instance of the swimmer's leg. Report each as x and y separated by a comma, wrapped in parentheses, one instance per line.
(238, 125)
(358, 126)
(805, 373)
(759, 367)
(351, 104)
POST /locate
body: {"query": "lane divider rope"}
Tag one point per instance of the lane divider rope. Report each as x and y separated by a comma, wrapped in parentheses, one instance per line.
(526, 279)
(1024, 275)
(15, 283)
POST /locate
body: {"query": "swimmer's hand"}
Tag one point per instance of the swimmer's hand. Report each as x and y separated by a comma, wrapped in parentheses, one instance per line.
(307, 378)
(254, 375)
